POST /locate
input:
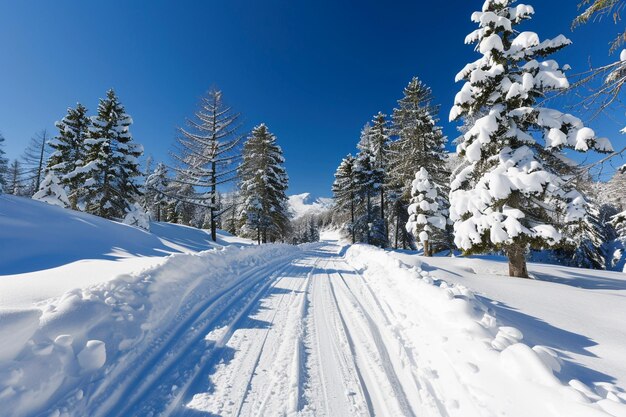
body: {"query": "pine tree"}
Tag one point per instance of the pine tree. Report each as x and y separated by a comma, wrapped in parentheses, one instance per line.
(345, 191)
(369, 227)
(4, 166)
(207, 153)
(427, 214)
(507, 197)
(68, 155)
(136, 216)
(420, 144)
(156, 191)
(52, 192)
(380, 144)
(263, 182)
(112, 164)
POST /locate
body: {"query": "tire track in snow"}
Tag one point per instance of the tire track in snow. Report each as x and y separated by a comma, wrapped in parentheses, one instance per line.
(335, 384)
(252, 372)
(287, 368)
(430, 403)
(165, 353)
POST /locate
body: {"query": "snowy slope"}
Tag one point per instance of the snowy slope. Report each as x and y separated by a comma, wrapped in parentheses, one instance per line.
(48, 250)
(578, 312)
(302, 204)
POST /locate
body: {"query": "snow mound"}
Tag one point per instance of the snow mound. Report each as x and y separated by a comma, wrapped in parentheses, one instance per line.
(303, 204)
(49, 354)
(480, 364)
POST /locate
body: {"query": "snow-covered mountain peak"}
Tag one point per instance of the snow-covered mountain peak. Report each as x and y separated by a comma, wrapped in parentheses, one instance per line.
(305, 203)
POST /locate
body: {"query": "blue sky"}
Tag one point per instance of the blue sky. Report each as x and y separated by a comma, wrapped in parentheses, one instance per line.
(313, 71)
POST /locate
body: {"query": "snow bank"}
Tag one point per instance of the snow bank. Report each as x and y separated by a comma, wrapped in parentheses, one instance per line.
(480, 365)
(48, 355)
(41, 237)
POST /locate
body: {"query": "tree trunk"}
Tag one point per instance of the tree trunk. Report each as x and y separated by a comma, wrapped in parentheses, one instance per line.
(517, 261)
(369, 216)
(427, 248)
(213, 202)
(40, 164)
(382, 215)
(397, 229)
(352, 218)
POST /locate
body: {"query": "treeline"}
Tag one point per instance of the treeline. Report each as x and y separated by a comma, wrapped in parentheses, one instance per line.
(92, 165)
(510, 188)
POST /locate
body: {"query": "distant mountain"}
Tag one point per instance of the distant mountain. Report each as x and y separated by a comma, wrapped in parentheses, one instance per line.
(301, 204)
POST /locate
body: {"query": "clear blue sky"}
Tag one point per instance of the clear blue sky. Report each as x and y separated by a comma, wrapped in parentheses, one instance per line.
(313, 71)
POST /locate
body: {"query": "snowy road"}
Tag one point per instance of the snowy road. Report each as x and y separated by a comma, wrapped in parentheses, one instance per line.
(297, 337)
(301, 332)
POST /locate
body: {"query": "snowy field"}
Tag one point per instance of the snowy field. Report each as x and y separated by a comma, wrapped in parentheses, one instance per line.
(74, 250)
(278, 330)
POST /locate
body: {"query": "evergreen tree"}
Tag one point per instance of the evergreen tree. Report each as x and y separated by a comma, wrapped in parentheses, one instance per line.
(345, 191)
(52, 192)
(507, 196)
(427, 214)
(112, 164)
(4, 167)
(68, 155)
(263, 182)
(420, 144)
(380, 143)
(136, 216)
(207, 152)
(156, 192)
(369, 227)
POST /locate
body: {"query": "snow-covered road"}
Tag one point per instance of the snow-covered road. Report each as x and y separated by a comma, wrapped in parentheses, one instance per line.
(305, 341)
(277, 330)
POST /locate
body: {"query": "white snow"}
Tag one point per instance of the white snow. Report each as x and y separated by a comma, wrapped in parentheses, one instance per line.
(303, 204)
(311, 330)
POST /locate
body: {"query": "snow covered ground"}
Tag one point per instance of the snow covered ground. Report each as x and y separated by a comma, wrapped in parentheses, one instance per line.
(315, 330)
(48, 250)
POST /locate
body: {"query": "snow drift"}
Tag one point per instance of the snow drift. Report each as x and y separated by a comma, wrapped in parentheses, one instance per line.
(74, 340)
(479, 364)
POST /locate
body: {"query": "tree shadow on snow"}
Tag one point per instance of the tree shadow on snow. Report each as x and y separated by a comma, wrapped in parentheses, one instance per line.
(538, 332)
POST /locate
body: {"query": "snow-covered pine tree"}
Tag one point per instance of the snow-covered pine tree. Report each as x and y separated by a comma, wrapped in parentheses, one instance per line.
(420, 143)
(263, 182)
(111, 164)
(345, 191)
(4, 166)
(380, 143)
(507, 197)
(207, 153)
(137, 216)
(68, 151)
(369, 227)
(427, 212)
(51, 191)
(156, 192)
